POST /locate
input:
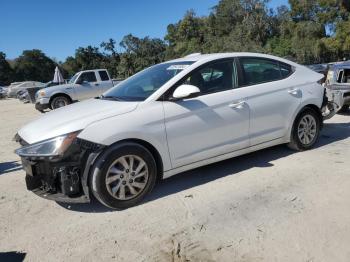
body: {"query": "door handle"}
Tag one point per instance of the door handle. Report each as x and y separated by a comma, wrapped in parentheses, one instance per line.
(96, 84)
(237, 105)
(68, 88)
(294, 91)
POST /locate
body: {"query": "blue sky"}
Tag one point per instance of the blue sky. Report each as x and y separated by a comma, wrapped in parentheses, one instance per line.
(59, 27)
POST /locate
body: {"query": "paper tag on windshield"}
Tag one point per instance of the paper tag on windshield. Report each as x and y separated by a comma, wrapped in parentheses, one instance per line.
(177, 67)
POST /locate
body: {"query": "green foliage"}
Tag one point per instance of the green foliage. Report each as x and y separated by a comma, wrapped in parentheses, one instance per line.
(140, 53)
(310, 31)
(298, 32)
(34, 65)
(6, 72)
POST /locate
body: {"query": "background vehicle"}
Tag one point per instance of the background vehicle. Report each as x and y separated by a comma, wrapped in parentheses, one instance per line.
(15, 88)
(338, 82)
(3, 92)
(83, 85)
(319, 68)
(167, 119)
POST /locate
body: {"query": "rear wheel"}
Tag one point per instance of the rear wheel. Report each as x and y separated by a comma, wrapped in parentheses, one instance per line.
(123, 176)
(59, 101)
(305, 131)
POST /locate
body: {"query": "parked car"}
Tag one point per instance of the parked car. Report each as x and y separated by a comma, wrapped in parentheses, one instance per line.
(319, 68)
(338, 81)
(3, 92)
(23, 96)
(17, 87)
(167, 119)
(83, 85)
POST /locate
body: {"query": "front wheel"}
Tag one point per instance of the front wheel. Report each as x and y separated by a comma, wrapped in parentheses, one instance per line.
(305, 131)
(123, 176)
(59, 101)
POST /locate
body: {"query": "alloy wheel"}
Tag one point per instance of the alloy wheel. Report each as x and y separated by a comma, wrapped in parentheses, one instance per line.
(307, 129)
(127, 177)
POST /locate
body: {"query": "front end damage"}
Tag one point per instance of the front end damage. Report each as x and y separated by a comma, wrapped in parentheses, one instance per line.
(62, 178)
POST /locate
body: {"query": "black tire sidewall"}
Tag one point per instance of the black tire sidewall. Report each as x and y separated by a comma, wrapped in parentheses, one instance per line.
(59, 97)
(99, 173)
(295, 136)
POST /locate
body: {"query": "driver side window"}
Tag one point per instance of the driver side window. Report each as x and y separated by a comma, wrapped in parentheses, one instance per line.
(88, 77)
(212, 78)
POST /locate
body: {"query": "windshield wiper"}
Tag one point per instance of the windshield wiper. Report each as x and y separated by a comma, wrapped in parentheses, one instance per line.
(114, 98)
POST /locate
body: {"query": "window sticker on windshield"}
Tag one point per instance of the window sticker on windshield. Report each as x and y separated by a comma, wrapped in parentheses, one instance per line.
(177, 67)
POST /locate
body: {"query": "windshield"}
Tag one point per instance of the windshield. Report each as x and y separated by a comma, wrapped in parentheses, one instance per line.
(72, 80)
(140, 86)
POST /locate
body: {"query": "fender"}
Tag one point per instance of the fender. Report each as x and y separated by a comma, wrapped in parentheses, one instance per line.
(134, 126)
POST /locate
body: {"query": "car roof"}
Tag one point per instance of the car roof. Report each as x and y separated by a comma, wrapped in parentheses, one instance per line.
(345, 65)
(198, 57)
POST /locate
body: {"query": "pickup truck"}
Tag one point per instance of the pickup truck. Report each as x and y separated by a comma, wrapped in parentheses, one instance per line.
(83, 85)
(338, 84)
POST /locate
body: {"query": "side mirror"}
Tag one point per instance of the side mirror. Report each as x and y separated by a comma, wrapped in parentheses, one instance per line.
(79, 81)
(186, 91)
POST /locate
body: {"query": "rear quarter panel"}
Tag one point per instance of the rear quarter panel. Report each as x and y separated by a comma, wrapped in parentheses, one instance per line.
(312, 92)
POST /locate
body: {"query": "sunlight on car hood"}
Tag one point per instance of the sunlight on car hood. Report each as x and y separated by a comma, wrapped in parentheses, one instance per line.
(72, 118)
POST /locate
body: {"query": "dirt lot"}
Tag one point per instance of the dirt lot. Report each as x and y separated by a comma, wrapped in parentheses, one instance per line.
(272, 205)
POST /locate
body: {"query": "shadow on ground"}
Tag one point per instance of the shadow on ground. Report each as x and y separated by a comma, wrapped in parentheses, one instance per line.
(8, 167)
(331, 133)
(12, 256)
(344, 113)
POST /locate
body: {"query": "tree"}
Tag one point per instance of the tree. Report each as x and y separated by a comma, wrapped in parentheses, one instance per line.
(6, 72)
(34, 65)
(309, 31)
(88, 57)
(112, 57)
(71, 66)
(140, 53)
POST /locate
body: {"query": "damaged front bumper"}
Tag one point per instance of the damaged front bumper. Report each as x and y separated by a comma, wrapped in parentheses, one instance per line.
(62, 179)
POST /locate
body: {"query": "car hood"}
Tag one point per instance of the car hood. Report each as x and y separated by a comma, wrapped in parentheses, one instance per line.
(73, 118)
(51, 89)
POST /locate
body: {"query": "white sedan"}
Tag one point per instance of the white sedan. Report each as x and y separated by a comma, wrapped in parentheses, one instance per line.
(167, 119)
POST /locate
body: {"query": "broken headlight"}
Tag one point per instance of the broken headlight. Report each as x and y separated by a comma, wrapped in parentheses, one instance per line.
(52, 147)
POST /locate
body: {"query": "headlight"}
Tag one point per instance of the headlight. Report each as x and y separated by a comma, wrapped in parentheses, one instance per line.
(41, 93)
(51, 147)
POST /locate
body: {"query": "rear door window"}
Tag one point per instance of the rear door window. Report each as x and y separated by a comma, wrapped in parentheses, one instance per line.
(103, 75)
(256, 70)
(286, 70)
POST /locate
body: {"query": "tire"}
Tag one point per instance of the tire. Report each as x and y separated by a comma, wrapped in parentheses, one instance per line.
(59, 101)
(344, 109)
(305, 131)
(109, 176)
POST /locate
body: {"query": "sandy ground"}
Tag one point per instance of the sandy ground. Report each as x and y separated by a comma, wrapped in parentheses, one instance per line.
(272, 205)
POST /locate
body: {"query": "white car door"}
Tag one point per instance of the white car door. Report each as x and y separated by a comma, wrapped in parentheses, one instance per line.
(273, 97)
(214, 123)
(87, 87)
